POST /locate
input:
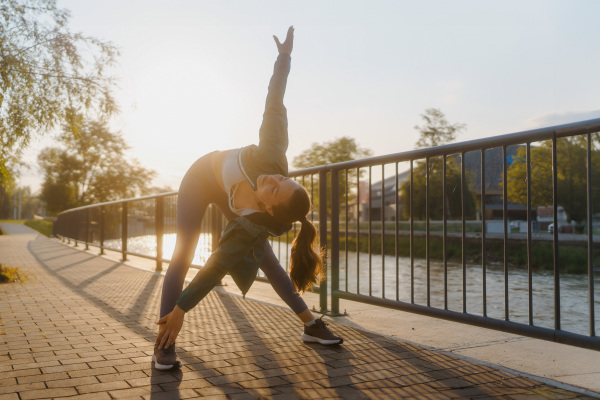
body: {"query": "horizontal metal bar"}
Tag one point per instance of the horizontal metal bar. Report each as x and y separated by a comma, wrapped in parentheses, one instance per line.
(112, 203)
(537, 332)
(535, 135)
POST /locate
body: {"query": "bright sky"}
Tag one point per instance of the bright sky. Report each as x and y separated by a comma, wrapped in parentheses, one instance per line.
(194, 74)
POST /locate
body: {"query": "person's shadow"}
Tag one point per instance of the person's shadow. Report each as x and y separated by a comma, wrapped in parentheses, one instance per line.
(162, 382)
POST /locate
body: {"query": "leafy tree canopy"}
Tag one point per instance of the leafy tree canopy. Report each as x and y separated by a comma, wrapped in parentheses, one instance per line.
(48, 74)
(91, 167)
(338, 150)
(436, 130)
(571, 176)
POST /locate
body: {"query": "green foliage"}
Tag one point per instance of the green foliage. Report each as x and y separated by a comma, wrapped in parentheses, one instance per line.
(47, 74)
(11, 274)
(571, 153)
(91, 167)
(338, 150)
(436, 131)
(541, 169)
(43, 227)
(436, 203)
(9, 197)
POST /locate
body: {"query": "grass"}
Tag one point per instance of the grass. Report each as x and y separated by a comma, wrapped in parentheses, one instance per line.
(11, 274)
(43, 227)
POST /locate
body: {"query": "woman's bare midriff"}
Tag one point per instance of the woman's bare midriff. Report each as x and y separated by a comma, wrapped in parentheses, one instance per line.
(216, 161)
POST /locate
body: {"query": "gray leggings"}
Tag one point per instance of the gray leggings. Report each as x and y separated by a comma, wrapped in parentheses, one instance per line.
(199, 189)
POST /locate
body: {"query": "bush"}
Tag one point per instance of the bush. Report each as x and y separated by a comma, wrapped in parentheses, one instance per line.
(11, 274)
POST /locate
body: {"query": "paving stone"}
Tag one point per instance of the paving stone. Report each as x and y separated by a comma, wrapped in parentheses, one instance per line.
(47, 393)
(84, 328)
(103, 387)
(42, 377)
(84, 380)
(89, 396)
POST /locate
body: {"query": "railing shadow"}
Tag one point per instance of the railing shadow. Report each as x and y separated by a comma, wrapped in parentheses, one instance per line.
(225, 333)
(41, 245)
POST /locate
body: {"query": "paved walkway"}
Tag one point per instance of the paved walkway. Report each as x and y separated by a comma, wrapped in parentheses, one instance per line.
(83, 326)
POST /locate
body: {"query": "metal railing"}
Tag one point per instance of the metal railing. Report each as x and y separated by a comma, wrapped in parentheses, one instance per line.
(432, 234)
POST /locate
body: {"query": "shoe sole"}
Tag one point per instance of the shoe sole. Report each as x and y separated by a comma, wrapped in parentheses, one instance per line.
(163, 367)
(314, 339)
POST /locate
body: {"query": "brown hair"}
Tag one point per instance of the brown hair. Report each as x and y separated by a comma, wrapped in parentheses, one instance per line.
(306, 265)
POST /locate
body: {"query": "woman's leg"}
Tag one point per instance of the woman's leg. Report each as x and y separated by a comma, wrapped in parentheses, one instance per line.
(315, 330)
(283, 285)
(191, 205)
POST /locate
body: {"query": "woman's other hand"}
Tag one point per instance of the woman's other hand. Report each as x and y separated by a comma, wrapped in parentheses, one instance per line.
(287, 46)
(170, 327)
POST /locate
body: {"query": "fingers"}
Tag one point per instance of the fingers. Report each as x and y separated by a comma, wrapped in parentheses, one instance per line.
(290, 33)
(277, 42)
(162, 342)
(171, 339)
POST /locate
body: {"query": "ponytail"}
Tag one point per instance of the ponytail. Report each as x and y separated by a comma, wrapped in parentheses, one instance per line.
(306, 265)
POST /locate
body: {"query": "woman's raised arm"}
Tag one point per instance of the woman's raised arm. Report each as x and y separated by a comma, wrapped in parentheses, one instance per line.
(273, 133)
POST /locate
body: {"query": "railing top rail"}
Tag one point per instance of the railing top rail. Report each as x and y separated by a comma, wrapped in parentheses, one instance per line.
(534, 135)
(109, 203)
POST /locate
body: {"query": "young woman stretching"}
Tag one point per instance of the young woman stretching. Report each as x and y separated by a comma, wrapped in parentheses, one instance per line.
(250, 187)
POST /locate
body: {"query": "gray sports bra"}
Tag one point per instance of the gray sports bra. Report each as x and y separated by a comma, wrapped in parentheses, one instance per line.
(232, 176)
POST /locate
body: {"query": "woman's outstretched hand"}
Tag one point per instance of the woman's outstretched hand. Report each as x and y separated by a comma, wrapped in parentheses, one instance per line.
(171, 325)
(287, 46)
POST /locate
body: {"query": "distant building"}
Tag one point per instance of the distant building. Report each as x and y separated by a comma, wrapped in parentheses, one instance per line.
(493, 188)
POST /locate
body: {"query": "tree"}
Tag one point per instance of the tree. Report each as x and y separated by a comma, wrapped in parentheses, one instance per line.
(571, 176)
(11, 197)
(338, 150)
(91, 167)
(436, 131)
(47, 75)
(436, 201)
(541, 172)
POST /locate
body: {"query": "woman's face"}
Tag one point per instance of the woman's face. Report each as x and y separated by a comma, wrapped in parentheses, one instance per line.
(273, 190)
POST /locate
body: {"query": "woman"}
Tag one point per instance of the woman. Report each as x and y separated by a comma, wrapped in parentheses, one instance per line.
(250, 187)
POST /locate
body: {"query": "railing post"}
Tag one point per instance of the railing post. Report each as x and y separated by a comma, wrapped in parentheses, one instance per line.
(335, 243)
(74, 226)
(124, 231)
(159, 226)
(87, 228)
(323, 234)
(557, 322)
(101, 230)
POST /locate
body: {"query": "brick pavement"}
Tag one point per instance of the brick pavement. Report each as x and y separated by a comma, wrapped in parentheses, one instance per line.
(83, 327)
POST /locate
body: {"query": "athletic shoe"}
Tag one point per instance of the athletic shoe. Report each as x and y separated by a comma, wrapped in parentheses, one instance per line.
(165, 358)
(320, 333)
